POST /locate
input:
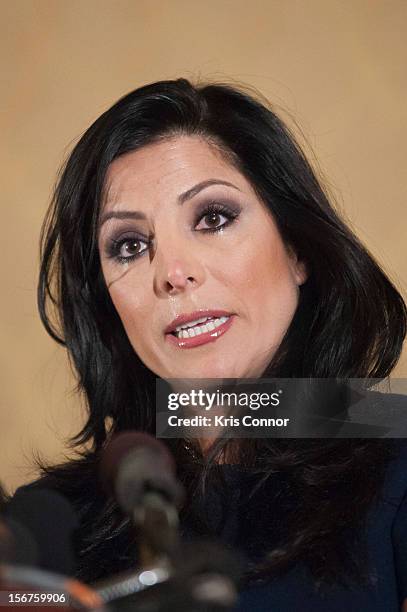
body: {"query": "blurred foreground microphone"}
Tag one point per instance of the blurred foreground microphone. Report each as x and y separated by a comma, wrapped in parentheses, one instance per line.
(139, 472)
(37, 555)
(49, 519)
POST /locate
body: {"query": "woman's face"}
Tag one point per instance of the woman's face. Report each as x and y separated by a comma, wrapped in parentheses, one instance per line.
(182, 232)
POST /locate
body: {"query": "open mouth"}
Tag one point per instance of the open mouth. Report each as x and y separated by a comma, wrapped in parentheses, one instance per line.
(198, 327)
(200, 331)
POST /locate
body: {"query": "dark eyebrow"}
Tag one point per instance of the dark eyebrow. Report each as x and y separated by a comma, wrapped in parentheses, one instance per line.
(187, 195)
(183, 197)
(122, 214)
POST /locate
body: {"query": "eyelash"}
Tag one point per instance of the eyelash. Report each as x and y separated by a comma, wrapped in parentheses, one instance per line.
(115, 246)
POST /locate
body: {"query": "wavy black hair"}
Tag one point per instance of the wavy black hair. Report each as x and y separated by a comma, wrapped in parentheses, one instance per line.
(350, 322)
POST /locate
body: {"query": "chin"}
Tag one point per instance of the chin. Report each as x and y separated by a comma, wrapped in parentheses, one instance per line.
(212, 371)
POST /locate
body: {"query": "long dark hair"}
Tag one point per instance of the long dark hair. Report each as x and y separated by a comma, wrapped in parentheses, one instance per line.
(350, 322)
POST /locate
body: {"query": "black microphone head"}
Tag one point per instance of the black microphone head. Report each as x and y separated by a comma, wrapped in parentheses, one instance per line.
(17, 545)
(134, 463)
(50, 522)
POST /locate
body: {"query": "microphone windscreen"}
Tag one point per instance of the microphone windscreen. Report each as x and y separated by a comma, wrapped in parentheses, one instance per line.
(134, 463)
(17, 545)
(121, 445)
(50, 521)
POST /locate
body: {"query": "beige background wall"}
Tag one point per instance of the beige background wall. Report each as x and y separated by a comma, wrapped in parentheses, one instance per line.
(339, 66)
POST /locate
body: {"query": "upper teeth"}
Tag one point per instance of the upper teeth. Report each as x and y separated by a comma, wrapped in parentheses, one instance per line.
(191, 323)
(196, 330)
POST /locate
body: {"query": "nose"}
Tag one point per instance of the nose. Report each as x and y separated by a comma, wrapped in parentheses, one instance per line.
(177, 272)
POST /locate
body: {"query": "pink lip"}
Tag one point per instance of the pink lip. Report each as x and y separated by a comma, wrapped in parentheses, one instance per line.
(181, 319)
(210, 336)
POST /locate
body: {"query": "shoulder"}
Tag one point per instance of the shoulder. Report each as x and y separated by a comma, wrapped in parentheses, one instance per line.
(76, 481)
(387, 400)
(378, 414)
(396, 494)
(395, 484)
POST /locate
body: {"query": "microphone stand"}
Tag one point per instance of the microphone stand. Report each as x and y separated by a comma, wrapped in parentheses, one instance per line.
(173, 576)
(164, 566)
(156, 521)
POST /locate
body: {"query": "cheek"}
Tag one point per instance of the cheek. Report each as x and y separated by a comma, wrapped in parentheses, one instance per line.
(280, 301)
(137, 315)
(260, 262)
(132, 308)
(267, 282)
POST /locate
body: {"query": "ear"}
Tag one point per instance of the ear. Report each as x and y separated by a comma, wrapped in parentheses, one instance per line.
(298, 267)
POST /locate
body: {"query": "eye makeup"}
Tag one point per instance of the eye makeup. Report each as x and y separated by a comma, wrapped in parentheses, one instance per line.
(124, 247)
(214, 210)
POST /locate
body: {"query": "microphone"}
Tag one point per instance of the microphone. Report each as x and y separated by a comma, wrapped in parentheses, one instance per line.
(17, 544)
(44, 520)
(37, 550)
(139, 472)
(203, 578)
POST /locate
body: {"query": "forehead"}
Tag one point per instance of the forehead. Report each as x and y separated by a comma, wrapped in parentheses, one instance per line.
(172, 166)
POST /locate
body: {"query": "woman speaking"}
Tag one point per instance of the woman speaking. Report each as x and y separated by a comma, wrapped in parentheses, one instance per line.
(188, 237)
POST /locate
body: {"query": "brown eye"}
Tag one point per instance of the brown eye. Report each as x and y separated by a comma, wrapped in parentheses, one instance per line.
(213, 220)
(130, 248)
(214, 217)
(126, 249)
